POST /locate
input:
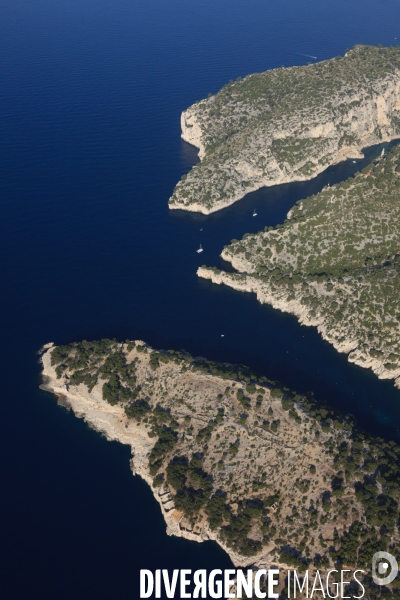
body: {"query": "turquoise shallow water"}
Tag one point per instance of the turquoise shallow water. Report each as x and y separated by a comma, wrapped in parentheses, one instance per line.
(91, 95)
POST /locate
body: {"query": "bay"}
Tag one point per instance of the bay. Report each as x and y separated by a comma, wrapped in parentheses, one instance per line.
(91, 95)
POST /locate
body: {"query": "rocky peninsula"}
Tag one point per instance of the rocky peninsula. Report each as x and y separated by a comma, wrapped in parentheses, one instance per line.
(288, 124)
(334, 264)
(270, 475)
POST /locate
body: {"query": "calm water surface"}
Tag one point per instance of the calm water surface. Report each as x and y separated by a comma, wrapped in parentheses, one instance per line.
(90, 98)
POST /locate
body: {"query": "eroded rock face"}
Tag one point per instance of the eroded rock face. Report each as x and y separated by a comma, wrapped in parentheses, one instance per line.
(288, 125)
(231, 456)
(334, 264)
(349, 344)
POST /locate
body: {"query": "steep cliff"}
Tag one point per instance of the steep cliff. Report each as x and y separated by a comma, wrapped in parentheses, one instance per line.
(267, 473)
(288, 125)
(335, 264)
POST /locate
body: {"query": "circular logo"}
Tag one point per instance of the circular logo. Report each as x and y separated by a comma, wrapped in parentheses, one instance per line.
(384, 560)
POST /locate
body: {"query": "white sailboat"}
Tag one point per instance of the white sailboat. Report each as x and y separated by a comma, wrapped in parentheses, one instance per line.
(200, 249)
(254, 213)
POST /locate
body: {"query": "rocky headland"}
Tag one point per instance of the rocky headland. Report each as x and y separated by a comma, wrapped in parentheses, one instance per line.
(288, 124)
(270, 475)
(334, 264)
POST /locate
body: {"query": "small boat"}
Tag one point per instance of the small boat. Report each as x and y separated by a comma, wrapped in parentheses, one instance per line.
(254, 213)
(354, 161)
(200, 249)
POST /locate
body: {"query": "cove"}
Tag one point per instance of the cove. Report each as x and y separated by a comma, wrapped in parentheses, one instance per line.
(91, 97)
(350, 391)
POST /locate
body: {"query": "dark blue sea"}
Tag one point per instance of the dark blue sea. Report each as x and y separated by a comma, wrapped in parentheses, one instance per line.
(91, 93)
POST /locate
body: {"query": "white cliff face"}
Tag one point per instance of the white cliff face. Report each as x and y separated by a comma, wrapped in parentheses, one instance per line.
(279, 300)
(112, 423)
(191, 130)
(179, 394)
(246, 144)
(108, 420)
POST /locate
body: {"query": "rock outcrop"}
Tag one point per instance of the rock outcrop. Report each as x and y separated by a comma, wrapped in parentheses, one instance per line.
(207, 439)
(288, 125)
(268, 474)
(334, 264)
(280, 301)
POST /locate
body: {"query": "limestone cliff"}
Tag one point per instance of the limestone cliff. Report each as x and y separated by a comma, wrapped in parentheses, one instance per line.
(279, 300)
(334, 264)
(232, 457)
(288, 125)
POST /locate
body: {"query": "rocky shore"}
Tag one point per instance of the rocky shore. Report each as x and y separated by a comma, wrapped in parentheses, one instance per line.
(272, 477)
(278, 300)
(288, 125)
(113, 424)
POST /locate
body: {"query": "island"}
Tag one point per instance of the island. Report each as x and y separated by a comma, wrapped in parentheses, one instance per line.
(272, 476)
(335, 264)
(288, 124)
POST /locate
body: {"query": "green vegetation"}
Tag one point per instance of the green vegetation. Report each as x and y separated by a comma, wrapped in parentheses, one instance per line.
(137, 410)
(87, 361)
(336, 262)
(262, 484)
(287, 123)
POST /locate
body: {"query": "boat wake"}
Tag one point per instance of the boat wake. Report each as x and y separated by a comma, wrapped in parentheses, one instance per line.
(308, 55)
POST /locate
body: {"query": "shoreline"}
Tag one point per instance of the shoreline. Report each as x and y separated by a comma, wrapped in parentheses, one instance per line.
(245, 283)
(199, 208)
(278, 478)
(112, 423)
(244, 145)
(353, 154)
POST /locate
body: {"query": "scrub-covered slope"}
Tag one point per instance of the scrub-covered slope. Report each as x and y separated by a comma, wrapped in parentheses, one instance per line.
(334, 264)
(233, 457)
(288, 124)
